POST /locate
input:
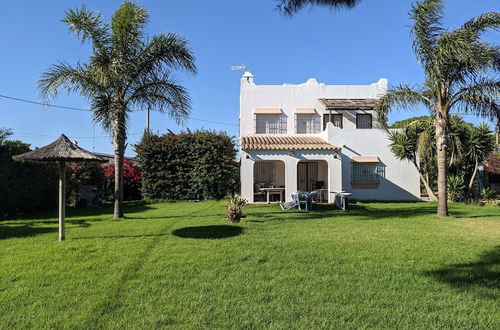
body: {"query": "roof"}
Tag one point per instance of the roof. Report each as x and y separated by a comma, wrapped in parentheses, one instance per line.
(60, 149)
(267, 142)
(365, 159)
(349, 104)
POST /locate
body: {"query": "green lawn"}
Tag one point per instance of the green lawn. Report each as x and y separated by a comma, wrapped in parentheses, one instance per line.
(181, 265)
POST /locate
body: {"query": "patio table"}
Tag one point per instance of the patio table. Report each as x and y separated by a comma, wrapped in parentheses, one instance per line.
(274, 191)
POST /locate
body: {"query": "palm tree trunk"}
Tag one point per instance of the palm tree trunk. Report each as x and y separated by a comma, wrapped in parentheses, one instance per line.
(119, 146)
(473, 178)
(441, 135)
(431, 194)
(425, 181)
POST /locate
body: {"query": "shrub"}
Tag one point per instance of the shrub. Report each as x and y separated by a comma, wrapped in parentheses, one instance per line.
(188, 166)
(25, 186)
(456, 189)
(488, 194)
(83, 173)
(235, 208)
(132, 176)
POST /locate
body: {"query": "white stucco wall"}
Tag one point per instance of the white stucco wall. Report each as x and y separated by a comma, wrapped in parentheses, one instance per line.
(401, 181)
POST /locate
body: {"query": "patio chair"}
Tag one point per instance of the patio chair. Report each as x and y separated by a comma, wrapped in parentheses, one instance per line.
(258, 194)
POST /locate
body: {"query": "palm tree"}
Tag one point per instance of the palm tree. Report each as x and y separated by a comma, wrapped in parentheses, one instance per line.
(290, 7)
(459, 69)
(411, 143)
(479, 145)
(126, 70)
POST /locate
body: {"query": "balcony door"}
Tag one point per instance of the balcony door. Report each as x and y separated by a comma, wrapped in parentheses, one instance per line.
(307, 175)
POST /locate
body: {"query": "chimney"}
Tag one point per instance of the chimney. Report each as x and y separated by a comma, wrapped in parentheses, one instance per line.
(248, 77)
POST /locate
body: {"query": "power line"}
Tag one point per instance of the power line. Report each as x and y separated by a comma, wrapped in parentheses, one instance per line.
(88, 110)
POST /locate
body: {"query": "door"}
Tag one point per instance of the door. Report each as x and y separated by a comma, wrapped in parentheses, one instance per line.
(307, 175)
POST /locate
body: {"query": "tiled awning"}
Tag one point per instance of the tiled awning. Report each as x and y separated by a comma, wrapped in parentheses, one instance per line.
(365, 159)
(349, 104)
(305, 111)
(267, 142)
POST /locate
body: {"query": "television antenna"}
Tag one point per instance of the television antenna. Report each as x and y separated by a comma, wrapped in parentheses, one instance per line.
(242, 67)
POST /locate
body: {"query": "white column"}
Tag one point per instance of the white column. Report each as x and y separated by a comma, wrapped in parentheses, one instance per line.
(290, 177)
(62, 198)
(246, 177)
(334, 176)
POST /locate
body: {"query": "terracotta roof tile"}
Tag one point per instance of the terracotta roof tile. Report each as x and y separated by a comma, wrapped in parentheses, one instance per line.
(278, 142)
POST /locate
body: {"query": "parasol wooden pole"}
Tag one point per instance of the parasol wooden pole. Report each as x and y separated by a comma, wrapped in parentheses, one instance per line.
(62, 198)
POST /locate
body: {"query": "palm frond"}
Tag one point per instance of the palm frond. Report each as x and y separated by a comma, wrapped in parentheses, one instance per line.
(401, 96)
(64, 76)
(163, 94)
(87, 25)
(427, 16)
(481, 97)
(162, 52)
(290, 7)
(127, 25)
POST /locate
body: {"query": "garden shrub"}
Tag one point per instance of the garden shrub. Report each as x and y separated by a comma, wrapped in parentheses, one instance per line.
(131, 181)
(25, 186)
(188, 166)
(456, 189)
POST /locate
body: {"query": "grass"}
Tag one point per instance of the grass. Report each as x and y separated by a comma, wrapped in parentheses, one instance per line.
(181, 265)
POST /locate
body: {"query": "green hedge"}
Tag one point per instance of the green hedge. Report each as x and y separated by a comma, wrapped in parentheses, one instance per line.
(188, 166)
(25, 187)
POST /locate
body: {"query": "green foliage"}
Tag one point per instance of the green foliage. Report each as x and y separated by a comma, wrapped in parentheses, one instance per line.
(25, 186)
(290, 7)
(488, 194)
(83, 174)
(406, 122)
(188, 166)
(456, 189)
(235, 206)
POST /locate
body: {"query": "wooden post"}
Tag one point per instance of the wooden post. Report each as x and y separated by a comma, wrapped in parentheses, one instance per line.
(62, 198)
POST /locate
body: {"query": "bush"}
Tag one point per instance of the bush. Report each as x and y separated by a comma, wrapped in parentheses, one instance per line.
(131, 181)
(83, 174)
(488, 194)
(456, 189)
(188, 166)
(25, 186)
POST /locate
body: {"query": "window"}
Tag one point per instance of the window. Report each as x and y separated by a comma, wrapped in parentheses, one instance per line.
(270, 124)
(363, 121)
(264, 172)
(337, 120)
(307, 123)
(366, 175)
(365, 172)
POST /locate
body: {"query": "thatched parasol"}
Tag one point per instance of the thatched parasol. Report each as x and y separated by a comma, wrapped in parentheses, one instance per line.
(60, 150)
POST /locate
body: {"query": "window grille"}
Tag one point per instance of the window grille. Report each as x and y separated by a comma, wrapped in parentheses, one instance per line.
(270, 124)
(307, 123)
(337, 120)
(264, 172)
(363, 121)
(367, 172)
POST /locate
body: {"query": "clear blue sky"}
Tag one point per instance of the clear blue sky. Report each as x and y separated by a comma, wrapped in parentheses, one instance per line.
(346, 47)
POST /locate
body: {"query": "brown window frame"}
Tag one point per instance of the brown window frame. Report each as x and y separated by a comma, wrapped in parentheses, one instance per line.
(326, 119)
(364, 114)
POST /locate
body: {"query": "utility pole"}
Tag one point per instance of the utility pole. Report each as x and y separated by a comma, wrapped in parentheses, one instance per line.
(147, 119)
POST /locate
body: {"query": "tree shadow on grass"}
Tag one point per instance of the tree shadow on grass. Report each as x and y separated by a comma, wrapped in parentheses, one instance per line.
(208, 232)
(481, 276)
(23, 231)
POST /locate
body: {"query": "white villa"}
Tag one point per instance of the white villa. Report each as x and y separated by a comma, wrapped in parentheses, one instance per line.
(321, 137)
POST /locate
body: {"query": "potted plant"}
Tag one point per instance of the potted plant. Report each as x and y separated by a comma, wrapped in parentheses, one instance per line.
(235, 208)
